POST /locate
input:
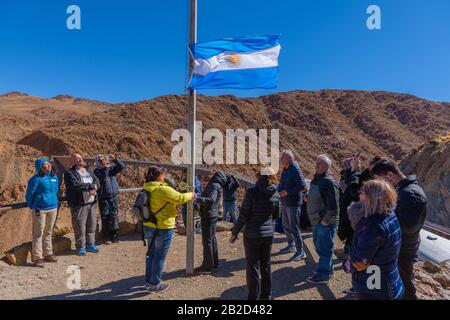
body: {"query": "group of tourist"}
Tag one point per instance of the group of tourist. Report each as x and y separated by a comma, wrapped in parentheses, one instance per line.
(377, 212)
(84, 189)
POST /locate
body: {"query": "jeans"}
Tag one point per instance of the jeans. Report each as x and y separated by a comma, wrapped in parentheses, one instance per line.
(209, 241)
(257, 255)
(109, 210)
(323, 242)
(231, 207)
(159, 241)
(290, 217)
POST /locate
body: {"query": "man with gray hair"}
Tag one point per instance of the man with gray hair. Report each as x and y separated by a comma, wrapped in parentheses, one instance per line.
(323, 212)
(290, 188)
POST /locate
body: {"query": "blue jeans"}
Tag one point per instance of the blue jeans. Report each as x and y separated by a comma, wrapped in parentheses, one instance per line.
(290, 217)
(323, 242)
(231, 207)
(159, 241)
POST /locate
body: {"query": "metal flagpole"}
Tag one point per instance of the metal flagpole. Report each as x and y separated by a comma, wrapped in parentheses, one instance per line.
(192, 110)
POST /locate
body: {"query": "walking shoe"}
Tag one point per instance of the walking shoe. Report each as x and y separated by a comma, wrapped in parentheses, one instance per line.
(315, 279)
(39, 263)
(108, 242)
(203, 270)
(298, 256)
(92, 248)
(116, 241)
(158, 288)
(147, 286)
(51, 258)
(288, 249)
(81, 252)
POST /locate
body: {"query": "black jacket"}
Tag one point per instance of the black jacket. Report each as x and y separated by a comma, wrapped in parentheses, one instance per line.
(75, 187)
(209, 204)
(230, 188)
(260, 206)
(109, 188)
(411, 211)
(354, 181)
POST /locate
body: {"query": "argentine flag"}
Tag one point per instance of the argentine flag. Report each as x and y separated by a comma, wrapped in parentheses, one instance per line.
(236, 63)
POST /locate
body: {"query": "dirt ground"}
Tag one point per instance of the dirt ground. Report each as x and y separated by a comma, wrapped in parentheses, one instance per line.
(117, 273)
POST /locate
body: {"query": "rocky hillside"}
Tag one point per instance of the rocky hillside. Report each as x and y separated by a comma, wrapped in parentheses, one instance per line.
(431, 163)
(339, 123)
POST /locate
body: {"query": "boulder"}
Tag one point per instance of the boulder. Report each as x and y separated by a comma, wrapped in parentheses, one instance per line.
(18, 256)
(62, 244)
(181, 229)
(443, 279)
(224, 226)
(431, 267)
(126, 228)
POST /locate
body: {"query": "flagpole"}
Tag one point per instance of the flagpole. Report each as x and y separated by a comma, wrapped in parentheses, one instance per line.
(192, 110)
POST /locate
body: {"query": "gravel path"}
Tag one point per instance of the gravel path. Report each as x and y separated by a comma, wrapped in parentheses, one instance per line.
(117, 273)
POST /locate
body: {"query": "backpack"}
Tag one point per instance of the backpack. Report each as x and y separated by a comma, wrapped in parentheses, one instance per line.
(143, 211)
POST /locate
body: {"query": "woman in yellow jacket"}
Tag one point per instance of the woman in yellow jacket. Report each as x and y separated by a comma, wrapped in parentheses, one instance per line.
(163, 201)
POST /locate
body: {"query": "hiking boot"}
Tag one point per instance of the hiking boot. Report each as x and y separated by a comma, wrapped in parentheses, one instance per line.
(51, 258)
(288, 249)
(92, 248)
(158, 288)
(316, 280)
(81, 252)
(298, 256)
(39, 263)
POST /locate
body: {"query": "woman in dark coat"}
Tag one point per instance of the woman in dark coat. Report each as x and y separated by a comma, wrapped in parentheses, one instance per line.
(376, 245)
(261, 205)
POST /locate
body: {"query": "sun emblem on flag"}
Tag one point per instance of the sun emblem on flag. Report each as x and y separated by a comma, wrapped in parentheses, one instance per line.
(234, 58)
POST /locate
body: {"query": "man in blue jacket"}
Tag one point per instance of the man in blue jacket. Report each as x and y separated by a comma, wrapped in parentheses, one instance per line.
(290, 189)
(108, 196)
(42, 198)
(230, 198)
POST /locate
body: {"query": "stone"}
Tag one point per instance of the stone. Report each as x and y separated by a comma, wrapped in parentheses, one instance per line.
(62, 244)
(18, 256)
(126, 228)
(224, 226)
(443, 279)
(181, 229)
(432, 267)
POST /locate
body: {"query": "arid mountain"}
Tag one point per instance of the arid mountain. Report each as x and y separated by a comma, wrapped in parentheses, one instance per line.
(431, 163)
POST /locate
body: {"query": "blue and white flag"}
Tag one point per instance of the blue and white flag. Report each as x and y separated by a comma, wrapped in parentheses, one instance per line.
(236, 63)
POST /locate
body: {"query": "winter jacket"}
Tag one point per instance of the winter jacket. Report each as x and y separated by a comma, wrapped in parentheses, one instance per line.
(75, 187)
(230, 188)
(411, 211)
(109, 188)
(377, 242)
(260, 206)
(293, 182)
(209, 204)
(323, 199)
(166, 197)
(42, 191)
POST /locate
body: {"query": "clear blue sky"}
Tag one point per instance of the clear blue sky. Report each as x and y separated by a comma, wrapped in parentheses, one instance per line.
(130, 50)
